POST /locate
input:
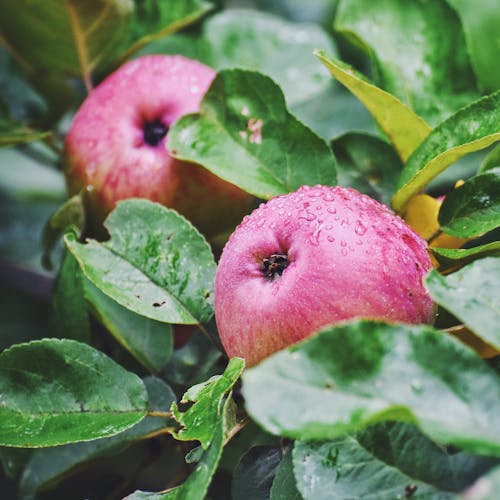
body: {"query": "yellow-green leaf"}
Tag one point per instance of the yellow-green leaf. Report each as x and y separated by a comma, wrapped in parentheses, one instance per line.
(405, 129)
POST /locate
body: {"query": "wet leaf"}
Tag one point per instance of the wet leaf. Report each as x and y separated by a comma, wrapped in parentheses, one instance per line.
(403, 127)
(156, 263)
(252, 142)
(348, 377)
(61, 391)
(472, 128)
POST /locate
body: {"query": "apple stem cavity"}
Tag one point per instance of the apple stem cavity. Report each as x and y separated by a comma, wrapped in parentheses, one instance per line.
(273, 266)
(154, 132)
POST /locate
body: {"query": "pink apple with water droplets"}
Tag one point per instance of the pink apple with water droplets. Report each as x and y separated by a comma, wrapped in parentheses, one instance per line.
(117, 145)
(318, 256)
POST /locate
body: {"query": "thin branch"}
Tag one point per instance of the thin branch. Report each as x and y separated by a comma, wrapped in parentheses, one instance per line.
(80, 45)
(434, 235)
(160, 414)
(237, 428)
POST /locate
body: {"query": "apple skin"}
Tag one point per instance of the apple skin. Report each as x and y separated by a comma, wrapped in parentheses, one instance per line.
(348, 256)
(107, 150)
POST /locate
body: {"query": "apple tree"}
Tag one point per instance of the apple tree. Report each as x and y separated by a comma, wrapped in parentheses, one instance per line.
(115, 379)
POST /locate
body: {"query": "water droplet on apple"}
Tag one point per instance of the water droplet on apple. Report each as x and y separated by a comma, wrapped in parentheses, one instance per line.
(314, 238)
(360, 229)
(331, 210)
(309, 216)
(343, 243)
(330, 238)
(344, 252)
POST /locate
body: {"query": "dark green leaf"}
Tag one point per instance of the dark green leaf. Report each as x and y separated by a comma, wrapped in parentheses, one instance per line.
(480, 21)
(254, 474)
(450, 257)
(52, 464)
(155, 263)
(284, 485)
(367, 164)
(470, 129)
(248, 39)
(69, 313)
(12, 134)
(155, 19)
(473, 208)
(65, 37)
(403, 127)
(252, 141)
(349, 376)
(194, 362)
(71, 214)
(491, 161)
(385, 461)
(199, 421)
(61, 391)
(196, 485)
(429, 72)
(471, 294)
(149, 341)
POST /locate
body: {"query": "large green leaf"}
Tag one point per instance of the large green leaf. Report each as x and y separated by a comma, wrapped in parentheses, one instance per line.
(245, 135)
(149, 341)
(155, 263)
(405, 129)
(471, 294)
(61, 391)
(51, 464)
(349, 376)
(367, 164)
(258, 41)
(429, 72)
(68, 37)
(473, 208)
(472, 128)
(199, 421)
(480, 21)
(385, 461)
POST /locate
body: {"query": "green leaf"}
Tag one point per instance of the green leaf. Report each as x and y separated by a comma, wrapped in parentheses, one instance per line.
(199, 421)
(12, 134)
(385, 461)
(196, 485)
(65, 37)
(471, 294)
(252, 141)
(258, 41)
(403, 127)
(71, 214)
(473, 208)
(61, 391)
(53, 464)
(450, 258)
(491, 161)
(427, 71)
(350, 376)
(472, 128)
(69, 318)
(155, 19)
(480, 22)
(284, 485)
(149, 341)
(254, 474)
(367, 164)
(155, 263)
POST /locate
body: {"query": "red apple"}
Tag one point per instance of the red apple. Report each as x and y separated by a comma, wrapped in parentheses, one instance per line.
(316, 257)
(116, 147)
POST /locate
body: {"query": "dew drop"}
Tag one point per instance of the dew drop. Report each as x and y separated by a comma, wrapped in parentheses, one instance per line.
(360, 229)
(344, 252)
(309, 216)
(331, 210)
(330, 238)
(416, 386)
(343, 243)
